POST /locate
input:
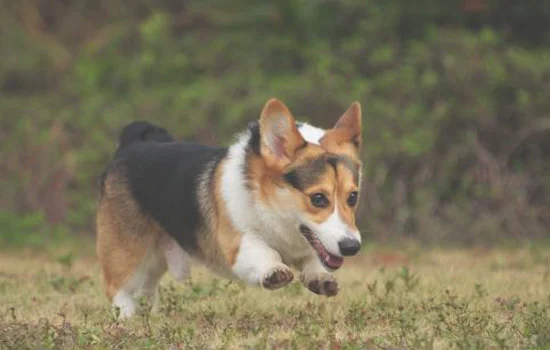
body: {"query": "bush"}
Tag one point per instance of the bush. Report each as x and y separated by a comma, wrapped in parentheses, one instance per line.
(456, 130)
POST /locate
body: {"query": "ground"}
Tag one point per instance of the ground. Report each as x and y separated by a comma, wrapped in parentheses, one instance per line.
(408, 298)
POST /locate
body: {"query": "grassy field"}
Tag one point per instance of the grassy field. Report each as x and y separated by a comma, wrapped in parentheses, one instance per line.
(411, 298)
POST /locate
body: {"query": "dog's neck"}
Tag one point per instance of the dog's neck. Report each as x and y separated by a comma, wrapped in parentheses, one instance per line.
(237, 198)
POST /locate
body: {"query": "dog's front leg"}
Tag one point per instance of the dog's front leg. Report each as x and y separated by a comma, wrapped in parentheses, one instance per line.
(257, 263)
(315, 277)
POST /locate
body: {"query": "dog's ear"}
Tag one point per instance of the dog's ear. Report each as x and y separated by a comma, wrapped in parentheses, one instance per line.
(280, 138)
(346, 135)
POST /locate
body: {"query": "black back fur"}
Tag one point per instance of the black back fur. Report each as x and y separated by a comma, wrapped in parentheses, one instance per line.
(164, 178)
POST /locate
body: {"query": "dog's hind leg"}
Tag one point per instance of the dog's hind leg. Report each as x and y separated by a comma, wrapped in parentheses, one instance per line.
(128, 250)
(142, 283)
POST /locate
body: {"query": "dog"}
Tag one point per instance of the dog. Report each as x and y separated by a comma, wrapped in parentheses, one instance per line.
(283, 195)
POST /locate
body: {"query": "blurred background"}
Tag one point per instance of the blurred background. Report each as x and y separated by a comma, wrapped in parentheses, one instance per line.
(455, 96)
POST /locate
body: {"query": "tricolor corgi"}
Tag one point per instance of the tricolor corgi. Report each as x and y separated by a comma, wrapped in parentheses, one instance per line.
(283, 195)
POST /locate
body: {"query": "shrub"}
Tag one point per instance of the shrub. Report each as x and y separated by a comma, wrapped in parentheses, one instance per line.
(456, 125)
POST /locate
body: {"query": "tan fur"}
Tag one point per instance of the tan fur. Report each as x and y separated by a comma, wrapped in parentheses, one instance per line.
(219, 243)
(345, 137)
(228, 238)
(268, 179)
(345, 186)
(335, 187)
(279, 134)
(124, 235)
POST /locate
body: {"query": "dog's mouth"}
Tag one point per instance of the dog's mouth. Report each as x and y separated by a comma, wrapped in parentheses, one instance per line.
(328, 259)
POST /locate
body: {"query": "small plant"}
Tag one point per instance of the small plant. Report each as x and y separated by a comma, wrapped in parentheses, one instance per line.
(393, 310)
(409, 279)
(66, 260)
(171, 300)
(481, 292)
(144, 312)
(67, 284)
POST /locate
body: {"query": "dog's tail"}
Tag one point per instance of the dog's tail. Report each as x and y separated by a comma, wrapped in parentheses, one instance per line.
(142, 132)
(135, 132)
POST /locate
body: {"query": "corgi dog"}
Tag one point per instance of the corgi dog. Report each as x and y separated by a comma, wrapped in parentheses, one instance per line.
(283, 195)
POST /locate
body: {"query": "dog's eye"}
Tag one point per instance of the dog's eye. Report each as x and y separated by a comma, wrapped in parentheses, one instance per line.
(352, 199)
(319, 200)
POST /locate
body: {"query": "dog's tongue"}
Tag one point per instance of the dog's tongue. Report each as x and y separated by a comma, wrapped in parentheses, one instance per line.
(330, 260)
(333, 261)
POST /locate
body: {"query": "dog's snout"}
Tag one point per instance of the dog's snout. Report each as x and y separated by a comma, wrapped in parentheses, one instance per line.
(349, 246)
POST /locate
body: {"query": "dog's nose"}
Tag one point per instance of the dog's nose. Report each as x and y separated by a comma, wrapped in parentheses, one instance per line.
(349, 246)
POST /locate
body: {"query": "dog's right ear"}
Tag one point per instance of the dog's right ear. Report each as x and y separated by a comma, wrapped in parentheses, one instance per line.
(280, 138)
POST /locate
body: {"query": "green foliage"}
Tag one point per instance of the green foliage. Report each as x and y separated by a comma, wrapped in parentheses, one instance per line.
(30, 230)
(20, 231)
(455, 119)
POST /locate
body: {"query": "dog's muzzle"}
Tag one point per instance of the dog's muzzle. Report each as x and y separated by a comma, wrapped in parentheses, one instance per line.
(328, 259)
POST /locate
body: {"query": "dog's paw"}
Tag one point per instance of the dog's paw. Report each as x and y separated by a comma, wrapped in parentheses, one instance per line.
(277, 278)
(325, 285)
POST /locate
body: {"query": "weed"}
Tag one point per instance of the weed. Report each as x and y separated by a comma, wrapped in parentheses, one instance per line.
(409, 279)
(66, 260)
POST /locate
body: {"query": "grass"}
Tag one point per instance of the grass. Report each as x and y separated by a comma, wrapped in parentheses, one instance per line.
(411, 298)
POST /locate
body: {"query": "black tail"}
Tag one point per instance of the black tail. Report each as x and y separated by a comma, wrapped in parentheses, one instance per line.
(133, 133)
(142, 132)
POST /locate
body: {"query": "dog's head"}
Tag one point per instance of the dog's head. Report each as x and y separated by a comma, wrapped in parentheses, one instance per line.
(316, 184)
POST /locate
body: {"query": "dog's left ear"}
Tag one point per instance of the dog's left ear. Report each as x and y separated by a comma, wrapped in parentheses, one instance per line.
(280, 138)
(346, 135)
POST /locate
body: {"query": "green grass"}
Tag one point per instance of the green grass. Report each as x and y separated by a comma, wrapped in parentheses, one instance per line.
(411, 298)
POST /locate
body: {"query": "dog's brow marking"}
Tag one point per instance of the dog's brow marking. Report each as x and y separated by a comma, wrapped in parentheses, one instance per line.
(346, 161)
(307, 174)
